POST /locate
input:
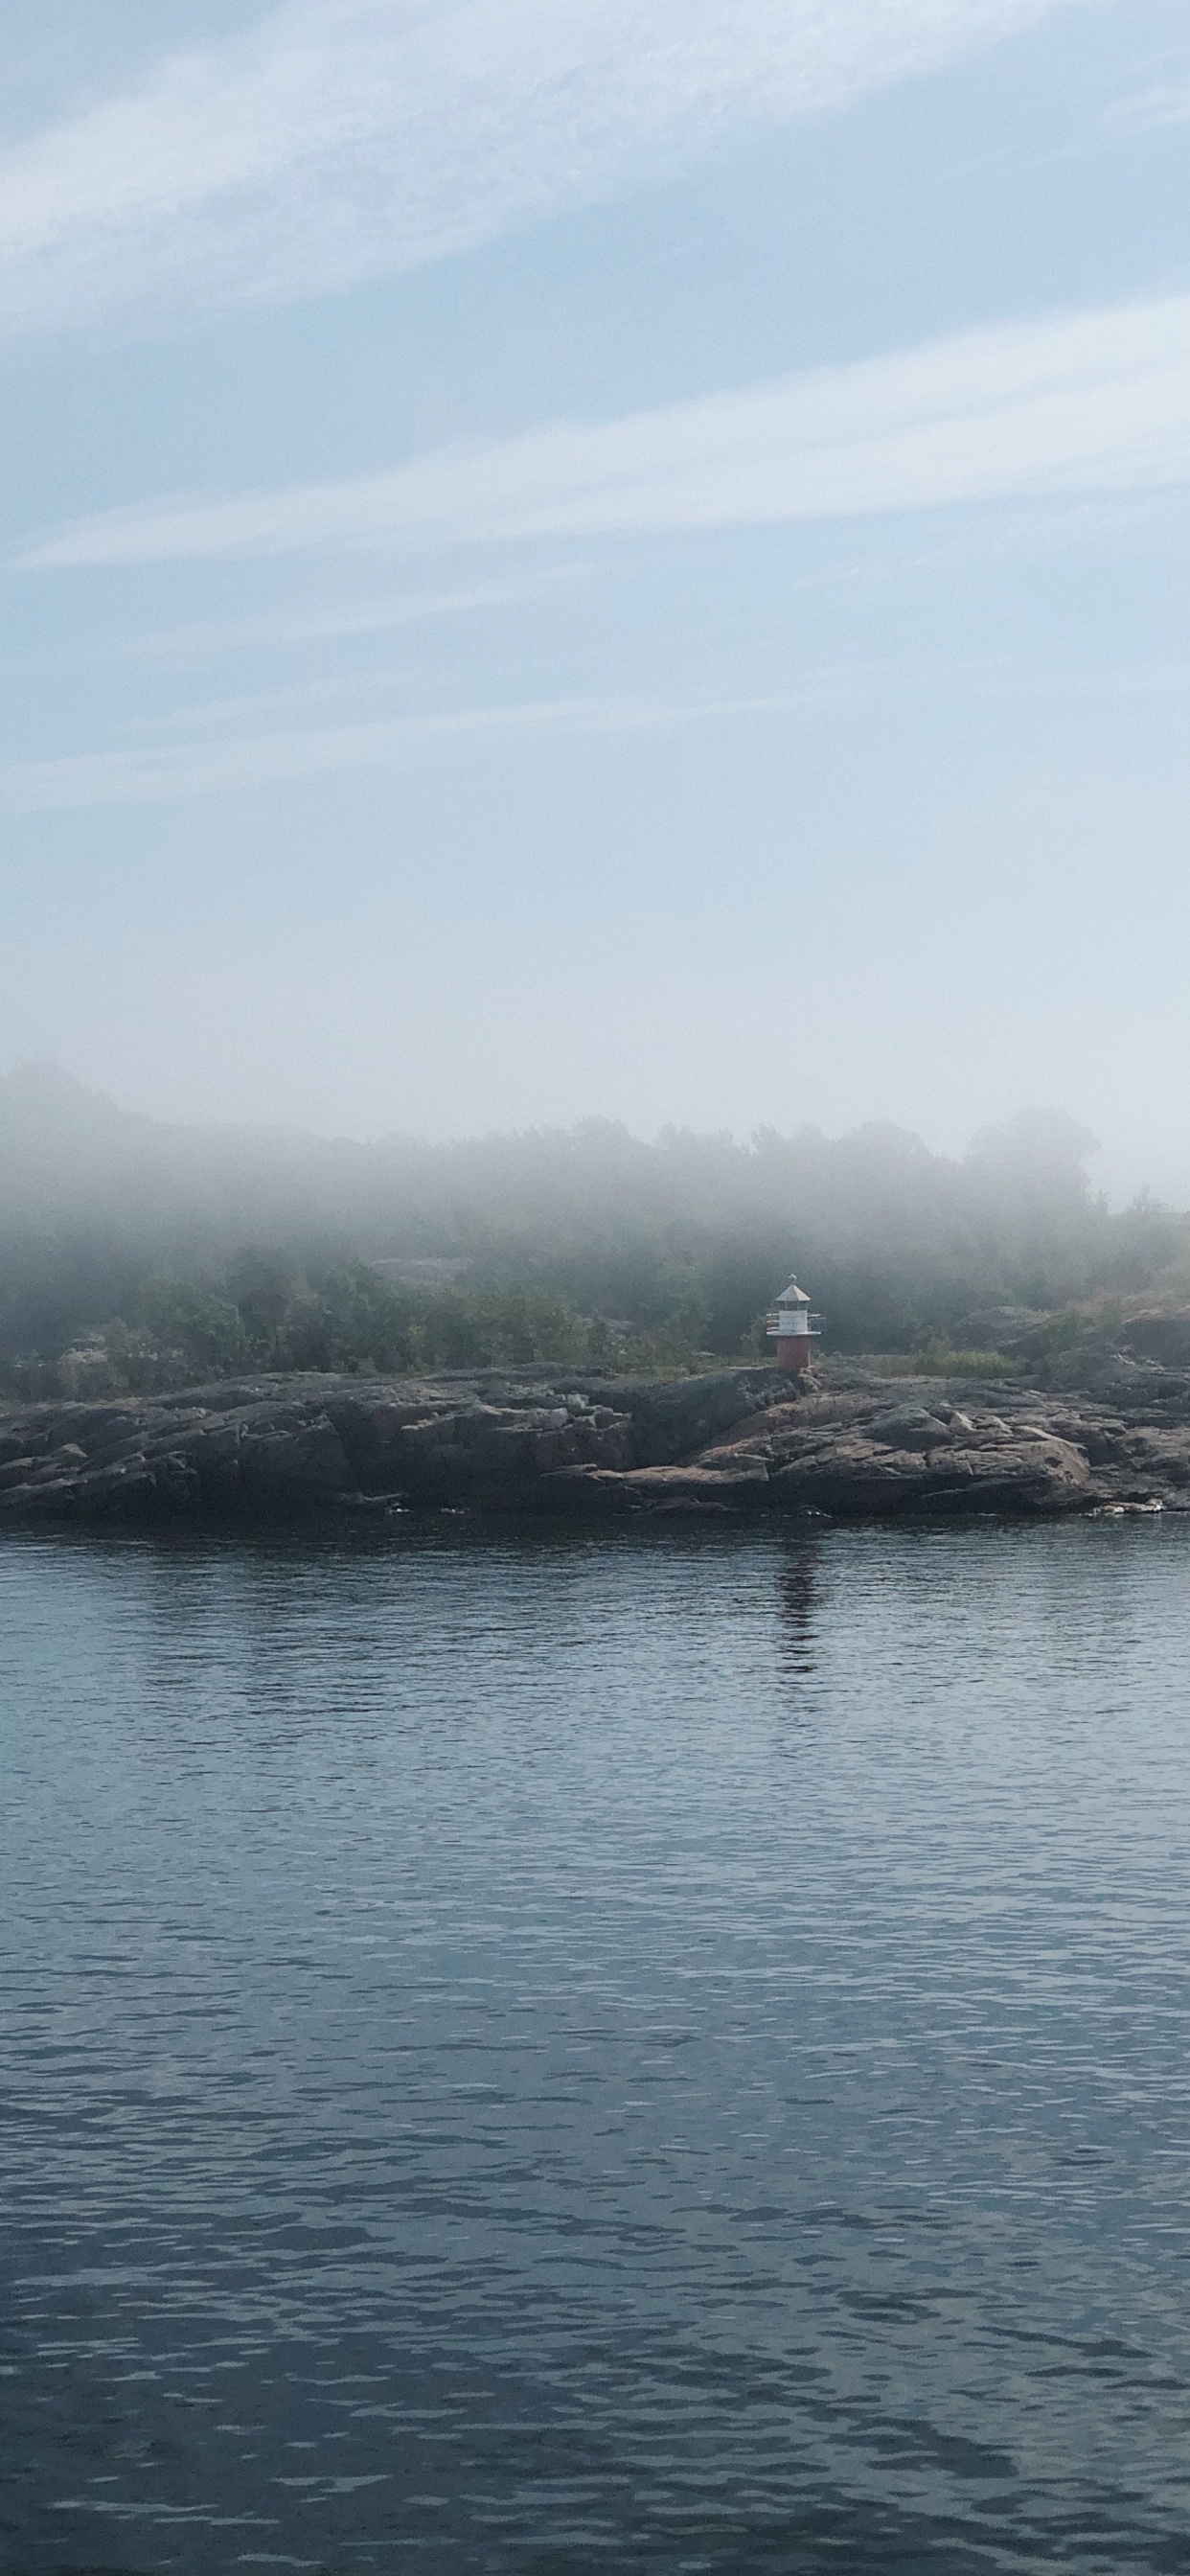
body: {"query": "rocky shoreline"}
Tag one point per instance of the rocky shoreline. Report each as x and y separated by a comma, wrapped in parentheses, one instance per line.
(743, 1442)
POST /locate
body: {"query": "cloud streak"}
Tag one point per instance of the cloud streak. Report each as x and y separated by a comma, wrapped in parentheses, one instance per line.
(348, 139)
(355, 621)
(227, 759)
(1146, 111)
(179, 770)
(1090, 403)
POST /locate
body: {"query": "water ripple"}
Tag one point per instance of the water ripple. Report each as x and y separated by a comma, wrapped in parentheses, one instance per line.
(652, 2052)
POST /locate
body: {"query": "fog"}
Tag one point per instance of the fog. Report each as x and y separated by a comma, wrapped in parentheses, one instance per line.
(134, 1252)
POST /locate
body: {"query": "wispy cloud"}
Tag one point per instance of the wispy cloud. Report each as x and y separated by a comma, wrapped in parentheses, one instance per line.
(345, 139)
(233, 752)
(1095, 402)
(181, 769)
(1143, 111)
(350, 621)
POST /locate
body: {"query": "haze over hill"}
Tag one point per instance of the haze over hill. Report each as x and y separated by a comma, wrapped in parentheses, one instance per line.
(230, 1245)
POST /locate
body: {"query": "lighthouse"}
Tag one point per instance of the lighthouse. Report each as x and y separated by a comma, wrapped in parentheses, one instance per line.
(793, 1328)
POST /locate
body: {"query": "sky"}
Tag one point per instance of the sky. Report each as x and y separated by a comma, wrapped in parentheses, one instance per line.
(622, 558)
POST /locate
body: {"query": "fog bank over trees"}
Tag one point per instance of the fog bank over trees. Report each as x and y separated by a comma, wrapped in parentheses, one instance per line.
(202, 1251)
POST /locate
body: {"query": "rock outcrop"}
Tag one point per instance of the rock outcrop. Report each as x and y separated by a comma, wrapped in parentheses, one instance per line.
(743, 1441)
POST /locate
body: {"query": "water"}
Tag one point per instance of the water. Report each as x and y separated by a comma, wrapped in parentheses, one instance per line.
(647, 2053)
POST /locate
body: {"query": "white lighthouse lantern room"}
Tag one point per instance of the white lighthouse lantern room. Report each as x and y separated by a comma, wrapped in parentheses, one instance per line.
(793, 1329)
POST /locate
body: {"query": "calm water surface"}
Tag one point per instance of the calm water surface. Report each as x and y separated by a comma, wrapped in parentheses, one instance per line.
(662, 2053)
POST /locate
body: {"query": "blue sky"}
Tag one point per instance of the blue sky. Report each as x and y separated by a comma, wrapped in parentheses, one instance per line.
(573, 557)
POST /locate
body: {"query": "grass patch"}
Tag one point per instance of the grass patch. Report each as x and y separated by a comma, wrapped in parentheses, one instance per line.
(939, 1360)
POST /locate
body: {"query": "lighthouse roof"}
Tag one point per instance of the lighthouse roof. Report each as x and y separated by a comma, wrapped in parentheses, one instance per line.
(793, 1295)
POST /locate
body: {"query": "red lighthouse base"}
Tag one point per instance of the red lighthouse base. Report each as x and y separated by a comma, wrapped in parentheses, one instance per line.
(793, 1353)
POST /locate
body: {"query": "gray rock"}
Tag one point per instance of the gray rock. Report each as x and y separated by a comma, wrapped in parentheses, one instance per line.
(740, 1441)
(299, 1463)
(910, 1427)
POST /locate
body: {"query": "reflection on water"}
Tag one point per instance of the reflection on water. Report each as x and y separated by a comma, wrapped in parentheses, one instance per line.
(797, 1595)
(472, 2100)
